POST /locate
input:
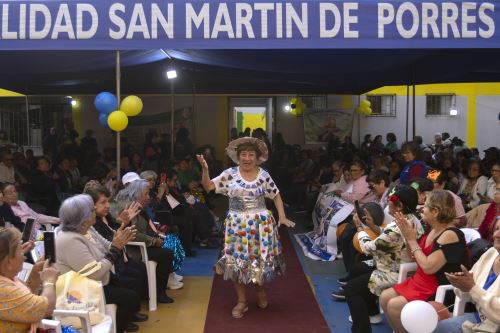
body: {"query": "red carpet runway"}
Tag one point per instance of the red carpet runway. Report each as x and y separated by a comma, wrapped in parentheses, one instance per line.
(292, 305)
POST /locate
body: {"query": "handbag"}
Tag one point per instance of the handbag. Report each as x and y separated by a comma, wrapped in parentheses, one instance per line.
(75, 291)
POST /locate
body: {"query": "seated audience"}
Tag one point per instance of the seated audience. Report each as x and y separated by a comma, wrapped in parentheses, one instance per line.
(43, 187)
(441, 250)
(131, 271)
(473, 186)
(483, 286)
(491, 216)
(23, 211)
(7, 171)
(493, 182)
(378, 183)
(138, 191)
(8, 216)
(78, 248)
(414, 167)
(22, 308)
(440, 180)
(357, 188)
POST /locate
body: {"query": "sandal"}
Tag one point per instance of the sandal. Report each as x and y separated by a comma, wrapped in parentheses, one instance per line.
(239, 310)
(262, 297)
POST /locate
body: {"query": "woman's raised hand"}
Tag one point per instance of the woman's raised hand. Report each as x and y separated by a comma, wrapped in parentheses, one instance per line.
(123, 235)
(130, 212)
(49, 273)
(408, 229)
(202, 162)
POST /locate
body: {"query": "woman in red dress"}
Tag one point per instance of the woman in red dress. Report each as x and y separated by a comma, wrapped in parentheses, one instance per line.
(442, 249)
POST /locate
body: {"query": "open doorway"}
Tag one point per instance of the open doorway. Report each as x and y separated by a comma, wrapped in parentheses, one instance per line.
(251, 113)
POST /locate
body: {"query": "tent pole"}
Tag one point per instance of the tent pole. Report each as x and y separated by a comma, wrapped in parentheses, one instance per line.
(28, 121)
(413, 122)
(118, 98)
(407, 109)
(172, 119)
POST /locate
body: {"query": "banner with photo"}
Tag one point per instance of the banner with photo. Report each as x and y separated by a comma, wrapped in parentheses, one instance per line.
(323, 125)
(321, 243)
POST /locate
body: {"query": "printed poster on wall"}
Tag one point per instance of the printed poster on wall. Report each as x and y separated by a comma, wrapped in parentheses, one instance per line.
(323, 125)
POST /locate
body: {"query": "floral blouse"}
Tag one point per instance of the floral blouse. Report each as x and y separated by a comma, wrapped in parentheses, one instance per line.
(19, 308)
(387, 251)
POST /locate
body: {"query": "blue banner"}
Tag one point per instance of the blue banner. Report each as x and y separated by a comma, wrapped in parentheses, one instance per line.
(126, 24)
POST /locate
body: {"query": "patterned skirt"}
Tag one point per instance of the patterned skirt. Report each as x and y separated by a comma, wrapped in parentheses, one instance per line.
(252, 251)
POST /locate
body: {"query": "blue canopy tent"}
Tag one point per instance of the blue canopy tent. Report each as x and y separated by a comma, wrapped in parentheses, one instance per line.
(246, 47)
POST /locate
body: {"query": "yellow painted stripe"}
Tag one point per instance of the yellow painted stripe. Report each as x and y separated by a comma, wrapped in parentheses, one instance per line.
(9, 93)
(471, 121)
(479, 89)
(346, 102)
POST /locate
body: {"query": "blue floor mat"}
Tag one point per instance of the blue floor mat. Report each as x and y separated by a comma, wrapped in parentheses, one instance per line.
(201, 265)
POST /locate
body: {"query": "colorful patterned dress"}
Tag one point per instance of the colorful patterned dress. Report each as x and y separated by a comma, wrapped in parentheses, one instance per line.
(252, 251)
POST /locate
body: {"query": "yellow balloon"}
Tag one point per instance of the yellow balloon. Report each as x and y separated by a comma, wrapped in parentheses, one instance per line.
(117, 120)
(131, 105)
(364, 103)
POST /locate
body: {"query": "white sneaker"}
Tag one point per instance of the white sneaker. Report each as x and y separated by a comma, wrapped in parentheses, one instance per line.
(173, 284)
(376, 319)
(178, 277)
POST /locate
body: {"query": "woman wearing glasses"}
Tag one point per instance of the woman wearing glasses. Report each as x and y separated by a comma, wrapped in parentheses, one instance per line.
(441, 250)
(358, 188)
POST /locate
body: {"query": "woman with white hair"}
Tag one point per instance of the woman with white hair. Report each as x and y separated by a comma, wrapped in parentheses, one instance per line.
(138, 191)
(77, 247)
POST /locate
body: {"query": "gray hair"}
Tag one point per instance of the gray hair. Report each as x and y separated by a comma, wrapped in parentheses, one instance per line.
(148, 174)
(133, 191)
(75, 211)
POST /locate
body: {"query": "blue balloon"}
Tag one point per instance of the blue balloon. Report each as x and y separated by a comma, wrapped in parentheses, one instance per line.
(106, 102)
(103, 120)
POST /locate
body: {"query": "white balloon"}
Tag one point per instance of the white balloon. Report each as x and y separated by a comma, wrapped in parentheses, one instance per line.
(419, 317)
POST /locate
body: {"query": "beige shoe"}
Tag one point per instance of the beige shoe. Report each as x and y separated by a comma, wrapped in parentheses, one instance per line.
(239, 310)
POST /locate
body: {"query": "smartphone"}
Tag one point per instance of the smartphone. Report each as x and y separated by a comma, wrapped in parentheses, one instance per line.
(163, 178)
(49, 246)
(359, 211)
(28, 230)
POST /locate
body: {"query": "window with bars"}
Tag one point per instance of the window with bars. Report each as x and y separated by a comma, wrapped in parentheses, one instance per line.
(315, 102)
(383, 105)
(438, 105)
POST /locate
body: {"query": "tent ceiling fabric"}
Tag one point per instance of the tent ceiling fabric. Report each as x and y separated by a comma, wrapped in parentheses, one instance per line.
(314, 71)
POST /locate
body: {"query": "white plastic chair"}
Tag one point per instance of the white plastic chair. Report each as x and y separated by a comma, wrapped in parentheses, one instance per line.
(470, 234)
(460, 301)
(405, 269)
(51, 324)
(151, 271)
(107, 326)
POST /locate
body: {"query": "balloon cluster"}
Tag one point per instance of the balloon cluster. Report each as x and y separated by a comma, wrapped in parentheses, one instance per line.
(365, 108)
(110, 116)
(296, 106)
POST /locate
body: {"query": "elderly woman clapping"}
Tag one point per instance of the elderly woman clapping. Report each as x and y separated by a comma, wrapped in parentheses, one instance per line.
(138, 191)
(22, 310)
(483, 286)
(77, 247)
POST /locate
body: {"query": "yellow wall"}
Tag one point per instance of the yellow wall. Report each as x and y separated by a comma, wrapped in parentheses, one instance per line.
(254, 121)
(470, 90)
